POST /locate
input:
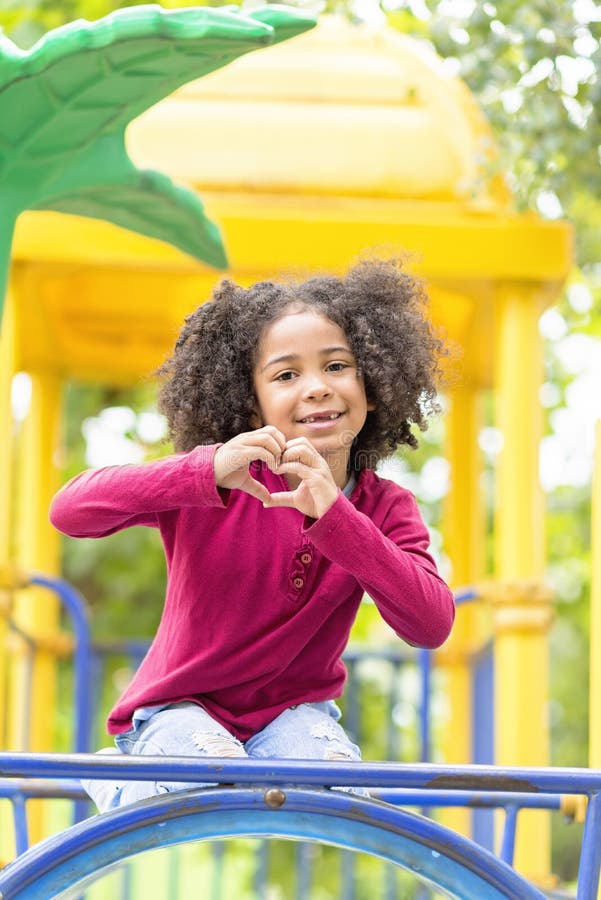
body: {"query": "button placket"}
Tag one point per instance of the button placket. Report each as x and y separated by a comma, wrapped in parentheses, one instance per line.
(298, 575)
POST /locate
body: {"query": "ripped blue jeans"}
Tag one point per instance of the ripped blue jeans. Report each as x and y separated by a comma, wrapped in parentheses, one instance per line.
(308, 731)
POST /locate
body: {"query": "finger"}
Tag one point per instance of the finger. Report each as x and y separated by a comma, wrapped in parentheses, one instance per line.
(296, 467)
(282, 498)
(243, 455)
(275, 433)
(266, 441)
(298, 455)
(302, 454)
(300, 442)
(301, 448)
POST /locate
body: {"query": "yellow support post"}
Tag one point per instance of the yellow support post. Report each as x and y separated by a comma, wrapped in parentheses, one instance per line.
(7, 371)
(38, 548)
(595, 626)
(464, 528)
(519, 507)
(522, 607)
(36, 611)
(464, 543)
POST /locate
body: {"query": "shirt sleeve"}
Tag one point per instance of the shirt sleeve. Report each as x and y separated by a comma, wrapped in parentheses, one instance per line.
(392, 565)
(100, 502)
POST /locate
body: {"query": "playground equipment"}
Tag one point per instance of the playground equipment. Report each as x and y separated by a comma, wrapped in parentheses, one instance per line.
(285, 799)
(286, 199)
(444, 860)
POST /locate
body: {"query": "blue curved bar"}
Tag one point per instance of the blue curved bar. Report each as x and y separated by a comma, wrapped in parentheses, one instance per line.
(76, 608)
(436, 855)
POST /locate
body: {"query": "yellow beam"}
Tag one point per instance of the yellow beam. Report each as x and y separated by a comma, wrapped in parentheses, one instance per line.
(74, 321)
(321, 232)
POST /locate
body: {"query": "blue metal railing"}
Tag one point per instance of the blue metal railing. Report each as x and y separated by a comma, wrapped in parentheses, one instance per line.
(91, 842)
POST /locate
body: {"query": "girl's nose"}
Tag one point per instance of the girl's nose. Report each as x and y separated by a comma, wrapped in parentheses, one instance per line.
(316, 388)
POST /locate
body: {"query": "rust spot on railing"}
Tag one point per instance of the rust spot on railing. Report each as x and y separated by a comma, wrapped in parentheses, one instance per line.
(486, 783)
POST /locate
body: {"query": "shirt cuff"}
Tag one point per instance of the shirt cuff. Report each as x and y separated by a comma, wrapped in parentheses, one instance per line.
(200, 461)
(330, 521)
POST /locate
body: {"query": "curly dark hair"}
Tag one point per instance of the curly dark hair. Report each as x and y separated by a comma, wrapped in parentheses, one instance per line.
(208, 393)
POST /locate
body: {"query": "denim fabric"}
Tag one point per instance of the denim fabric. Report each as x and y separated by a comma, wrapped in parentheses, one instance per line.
(308, 731)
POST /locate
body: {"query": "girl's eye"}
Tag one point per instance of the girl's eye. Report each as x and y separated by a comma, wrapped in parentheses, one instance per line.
(337, 366)
(285, 376)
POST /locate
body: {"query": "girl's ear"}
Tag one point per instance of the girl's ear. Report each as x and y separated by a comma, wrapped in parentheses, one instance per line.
(370, 406)
(255, 419)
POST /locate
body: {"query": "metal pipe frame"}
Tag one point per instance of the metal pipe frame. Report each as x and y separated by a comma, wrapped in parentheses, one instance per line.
(513, 787)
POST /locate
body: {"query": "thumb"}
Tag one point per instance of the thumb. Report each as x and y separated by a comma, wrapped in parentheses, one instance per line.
(255, 489)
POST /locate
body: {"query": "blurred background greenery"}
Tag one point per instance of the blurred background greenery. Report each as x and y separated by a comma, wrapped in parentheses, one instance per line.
(534, 68)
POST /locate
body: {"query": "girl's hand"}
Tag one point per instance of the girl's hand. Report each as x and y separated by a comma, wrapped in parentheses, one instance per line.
(232, 459)
(317, 490)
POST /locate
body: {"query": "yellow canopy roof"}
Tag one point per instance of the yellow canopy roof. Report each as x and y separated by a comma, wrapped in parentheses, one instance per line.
(344, 140)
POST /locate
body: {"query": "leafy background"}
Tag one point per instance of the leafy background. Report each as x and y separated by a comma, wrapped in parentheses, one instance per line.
(534, 68)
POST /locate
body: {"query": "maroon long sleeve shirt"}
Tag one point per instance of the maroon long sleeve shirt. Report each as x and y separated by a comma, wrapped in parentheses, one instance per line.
(259, 602)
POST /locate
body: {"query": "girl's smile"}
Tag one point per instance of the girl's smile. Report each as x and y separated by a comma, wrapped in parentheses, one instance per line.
(307, 384)
(322, 419)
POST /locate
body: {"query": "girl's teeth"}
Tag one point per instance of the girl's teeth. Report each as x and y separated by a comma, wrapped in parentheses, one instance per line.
(320, 418)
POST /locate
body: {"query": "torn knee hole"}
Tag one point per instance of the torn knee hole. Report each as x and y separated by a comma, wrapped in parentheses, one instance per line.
(217, 744)
(337, 754)
(325, 730)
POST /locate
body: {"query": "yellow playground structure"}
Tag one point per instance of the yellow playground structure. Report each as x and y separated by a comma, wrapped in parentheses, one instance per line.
(346, 140)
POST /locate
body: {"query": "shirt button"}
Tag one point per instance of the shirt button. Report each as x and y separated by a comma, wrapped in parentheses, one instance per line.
(298, 583)
(306, 558)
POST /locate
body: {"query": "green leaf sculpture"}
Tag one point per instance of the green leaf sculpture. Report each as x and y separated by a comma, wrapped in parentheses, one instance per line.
(65, 104)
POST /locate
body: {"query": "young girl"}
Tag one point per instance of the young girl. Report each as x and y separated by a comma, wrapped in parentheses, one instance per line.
(281, 399)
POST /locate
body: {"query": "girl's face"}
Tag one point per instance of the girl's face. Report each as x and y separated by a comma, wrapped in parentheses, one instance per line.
(307, 385)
